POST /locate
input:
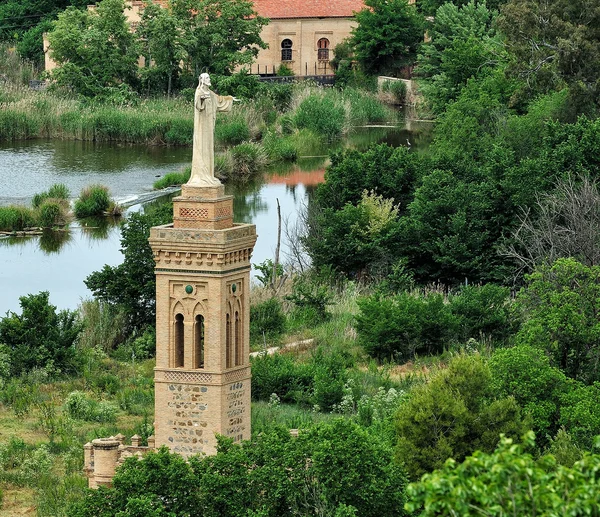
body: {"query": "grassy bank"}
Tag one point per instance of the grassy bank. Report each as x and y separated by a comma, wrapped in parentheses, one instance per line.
(27, 114)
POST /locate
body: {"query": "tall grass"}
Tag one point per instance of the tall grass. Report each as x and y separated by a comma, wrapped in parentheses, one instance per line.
(173, 179)
(93, 200)
(16, 218)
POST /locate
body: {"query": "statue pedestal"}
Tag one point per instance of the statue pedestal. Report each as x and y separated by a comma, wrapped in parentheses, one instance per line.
(206, 208)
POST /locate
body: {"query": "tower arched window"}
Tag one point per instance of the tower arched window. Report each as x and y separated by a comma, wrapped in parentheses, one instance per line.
(323, 49)
(199, 342)
(286, 50)
(238, 344)
(178, 341)
(228, 341)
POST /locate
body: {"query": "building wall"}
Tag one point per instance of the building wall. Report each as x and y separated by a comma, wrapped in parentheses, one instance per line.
(304, 34)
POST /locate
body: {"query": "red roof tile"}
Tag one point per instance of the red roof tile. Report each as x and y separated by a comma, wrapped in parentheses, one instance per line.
(307, 8)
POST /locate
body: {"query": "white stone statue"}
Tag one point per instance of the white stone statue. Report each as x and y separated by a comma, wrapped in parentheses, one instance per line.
(206, 105)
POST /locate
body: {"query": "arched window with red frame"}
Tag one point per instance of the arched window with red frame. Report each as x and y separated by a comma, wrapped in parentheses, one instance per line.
(323, 49)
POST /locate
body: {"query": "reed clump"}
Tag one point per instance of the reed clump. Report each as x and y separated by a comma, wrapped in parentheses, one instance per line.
(93, 200)
(16, 218)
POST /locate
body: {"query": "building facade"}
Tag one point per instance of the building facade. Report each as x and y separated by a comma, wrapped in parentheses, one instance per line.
(300, 35)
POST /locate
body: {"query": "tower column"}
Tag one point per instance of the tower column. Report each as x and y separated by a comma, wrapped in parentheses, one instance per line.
(202, 308)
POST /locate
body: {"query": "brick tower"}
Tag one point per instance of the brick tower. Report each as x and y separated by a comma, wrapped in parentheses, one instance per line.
(202, 374)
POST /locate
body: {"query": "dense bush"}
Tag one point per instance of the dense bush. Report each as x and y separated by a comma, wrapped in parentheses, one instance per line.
(485, 312)
(232, 130)
(282, 375)
(500, 483)
(580, 414)
(560, 304)
(78, 405)
(93, 200)
(56, 191)
(40, 337)
(333, 469)
(524, 372)
(267, 320)
(51, 213)
(318, 383)
(452, 415)
(401, 326)
(397, 89)
(173, 179)
(322, 115)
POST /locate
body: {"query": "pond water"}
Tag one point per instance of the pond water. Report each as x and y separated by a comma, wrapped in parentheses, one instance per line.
(59, 262)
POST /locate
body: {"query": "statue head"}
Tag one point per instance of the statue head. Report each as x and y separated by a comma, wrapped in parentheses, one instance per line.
(204, 79)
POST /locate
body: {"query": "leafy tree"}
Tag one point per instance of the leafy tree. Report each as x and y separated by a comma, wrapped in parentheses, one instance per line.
(453, 227)
(335, 467)
(356, 240)
(560, 305)
(40, 337)
(162, 46)
(580, 413)
(508, 481)
(554, 43)
(24, 22)
(131, 285)
(462, 45)
(387, 35)
(452, 415)
(524, 373)
(95, 50)
(220, 35)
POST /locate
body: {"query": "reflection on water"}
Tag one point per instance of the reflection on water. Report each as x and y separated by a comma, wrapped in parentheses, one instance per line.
(52, 241)
(97, 228)
(59, 262)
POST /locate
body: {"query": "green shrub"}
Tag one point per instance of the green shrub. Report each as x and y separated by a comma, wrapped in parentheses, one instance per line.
(365, 108)
(181, 132)
(40, 337)
(232, 130)
(248, 159)
(397, 89)
(285, 71)
(224, 165)
(280, 374)
(78, 405)
(580, 414)
(16, 218)
(173, 179)
(310, 300)
(329, 379)
(267, 320)
(524, 372)
(485, 311)
(399, 327)
(56, 191)
(322, 115)
(452, 415)
(93, 200)
(136, 401)
(281, 95)
(280, 148)
(51, 213)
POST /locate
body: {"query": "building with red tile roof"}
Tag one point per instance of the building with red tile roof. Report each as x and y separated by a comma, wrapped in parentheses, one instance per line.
(285, 9)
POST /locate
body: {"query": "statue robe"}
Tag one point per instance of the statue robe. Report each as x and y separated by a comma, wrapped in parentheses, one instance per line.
(206, 105)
